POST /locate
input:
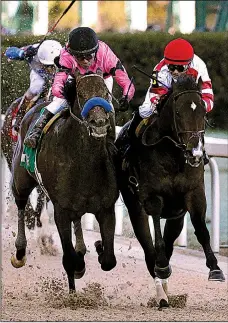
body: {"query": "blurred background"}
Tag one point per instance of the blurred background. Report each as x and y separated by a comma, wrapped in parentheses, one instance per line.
(122, 16)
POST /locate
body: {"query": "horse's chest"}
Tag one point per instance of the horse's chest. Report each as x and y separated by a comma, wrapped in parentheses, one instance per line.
(167, 183)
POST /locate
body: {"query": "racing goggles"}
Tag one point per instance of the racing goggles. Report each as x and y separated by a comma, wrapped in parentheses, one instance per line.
(81, 57)
(179, 68)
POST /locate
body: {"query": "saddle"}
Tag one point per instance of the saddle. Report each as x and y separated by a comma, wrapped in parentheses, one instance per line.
(28, 157)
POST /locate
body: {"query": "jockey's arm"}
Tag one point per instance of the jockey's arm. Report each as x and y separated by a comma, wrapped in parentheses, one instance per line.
(114, 67)
(155, 91)
(15, 53)
(206, 87)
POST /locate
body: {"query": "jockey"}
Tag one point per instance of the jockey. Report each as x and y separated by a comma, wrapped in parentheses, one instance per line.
(41, 62)
(179, 58)
(84, 52)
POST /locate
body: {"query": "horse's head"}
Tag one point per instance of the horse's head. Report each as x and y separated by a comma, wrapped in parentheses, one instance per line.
(187, 118)
(92, 103)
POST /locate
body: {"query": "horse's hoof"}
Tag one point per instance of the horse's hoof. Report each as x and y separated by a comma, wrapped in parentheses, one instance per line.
(216, 275)
(79, 274)
(163, 304)
(162, 273)
(18, 263)
(107, 266)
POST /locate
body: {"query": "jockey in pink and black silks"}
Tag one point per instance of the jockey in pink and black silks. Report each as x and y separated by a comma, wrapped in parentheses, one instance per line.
(85, 53)
(179, 58)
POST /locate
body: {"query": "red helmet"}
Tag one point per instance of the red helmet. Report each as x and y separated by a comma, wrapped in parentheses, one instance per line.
(178, 52)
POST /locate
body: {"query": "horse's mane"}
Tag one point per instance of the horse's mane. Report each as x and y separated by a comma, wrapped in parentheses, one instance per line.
(185, 82)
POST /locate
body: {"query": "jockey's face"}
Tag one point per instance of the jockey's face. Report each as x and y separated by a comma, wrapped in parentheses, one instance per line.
(85, 61)
(177, 70)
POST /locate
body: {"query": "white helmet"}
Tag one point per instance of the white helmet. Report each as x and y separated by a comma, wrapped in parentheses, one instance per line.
(48, 50)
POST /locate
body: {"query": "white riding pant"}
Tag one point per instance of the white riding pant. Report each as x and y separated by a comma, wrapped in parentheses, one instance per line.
(36, 85)
(57, 105)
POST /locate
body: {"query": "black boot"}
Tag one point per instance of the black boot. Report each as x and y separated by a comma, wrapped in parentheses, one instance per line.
(130, 134)
(32, 139)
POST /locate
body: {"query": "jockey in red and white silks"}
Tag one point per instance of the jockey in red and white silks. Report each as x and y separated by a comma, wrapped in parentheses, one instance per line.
(178, 58)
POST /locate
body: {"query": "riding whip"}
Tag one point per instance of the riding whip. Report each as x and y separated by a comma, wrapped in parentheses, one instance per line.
(53, 27)
(126, 95)
(150, 76)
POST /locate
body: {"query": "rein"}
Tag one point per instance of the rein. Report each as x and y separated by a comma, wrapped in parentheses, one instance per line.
(178, 142)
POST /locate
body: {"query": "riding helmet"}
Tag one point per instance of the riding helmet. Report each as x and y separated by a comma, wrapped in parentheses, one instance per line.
(178, 52)
(48, 50)
(83, 40)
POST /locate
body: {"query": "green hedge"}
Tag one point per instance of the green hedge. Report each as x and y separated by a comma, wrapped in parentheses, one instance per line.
(144, 49)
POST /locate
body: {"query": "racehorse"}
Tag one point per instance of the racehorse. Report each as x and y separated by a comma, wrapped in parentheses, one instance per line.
(164, 177)
(9, 138)
(77, 171)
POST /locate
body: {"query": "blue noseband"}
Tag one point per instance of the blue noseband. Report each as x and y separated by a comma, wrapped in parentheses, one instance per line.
(92, 103)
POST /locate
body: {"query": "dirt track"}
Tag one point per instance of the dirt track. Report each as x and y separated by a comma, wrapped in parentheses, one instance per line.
(38, 291)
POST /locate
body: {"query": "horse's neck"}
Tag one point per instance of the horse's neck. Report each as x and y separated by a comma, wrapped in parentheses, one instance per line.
(80, 140)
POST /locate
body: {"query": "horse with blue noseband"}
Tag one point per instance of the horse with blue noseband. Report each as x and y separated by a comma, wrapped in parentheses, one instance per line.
(78, 173)
(164, 177)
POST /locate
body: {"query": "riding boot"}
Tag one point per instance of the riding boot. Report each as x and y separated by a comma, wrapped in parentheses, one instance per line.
(25, 106)
(32, 139)
(130, 133)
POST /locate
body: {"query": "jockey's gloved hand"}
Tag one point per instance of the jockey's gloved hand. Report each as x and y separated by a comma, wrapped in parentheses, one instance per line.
(14, 53)
(123, 103)
(30, 52)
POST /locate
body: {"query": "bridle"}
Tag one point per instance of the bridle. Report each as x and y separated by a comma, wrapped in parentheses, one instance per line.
(178, 143)
(194, 133)
(78, 80)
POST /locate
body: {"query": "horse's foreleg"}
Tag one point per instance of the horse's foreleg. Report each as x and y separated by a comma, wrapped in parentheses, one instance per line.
(21, 198)
(21, 242)
(196, 204)
(172, 231)
(105, 249)
(80, 244)
(73, 262)
(140, 223)
(154, 207)
(41, 200)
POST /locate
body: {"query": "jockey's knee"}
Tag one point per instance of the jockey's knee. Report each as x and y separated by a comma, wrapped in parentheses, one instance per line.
(57, 105)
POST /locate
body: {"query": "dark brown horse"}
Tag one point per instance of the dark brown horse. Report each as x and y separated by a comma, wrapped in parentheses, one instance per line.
(77, 170)
(8, 141)
(165, 179)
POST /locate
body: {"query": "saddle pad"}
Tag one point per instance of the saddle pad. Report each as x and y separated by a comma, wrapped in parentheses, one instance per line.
(29, 154)
(28, 159)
